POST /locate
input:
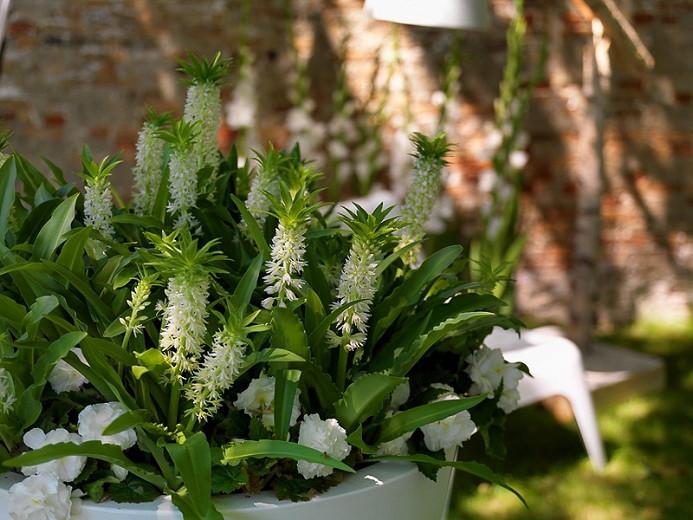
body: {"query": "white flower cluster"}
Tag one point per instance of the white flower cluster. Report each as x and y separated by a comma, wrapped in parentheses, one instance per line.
(306, 131)
(184, 321)
(65, 378)
(44, 494)
(148, 168)
(265, 181)
(451, 432)
(203, 104)
(488, 371)
(285, 265)
(258, 401)
(397, 446)
(217, 373)
(421, 197)
(65, 469)
(7, 394)
(326, 436)
(182, 184)
(40, 497)
(94, 419)
(358, 281)
(98, 210)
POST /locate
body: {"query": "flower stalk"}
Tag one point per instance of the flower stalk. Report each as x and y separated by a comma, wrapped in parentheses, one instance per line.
(98, 201)
(203, 107)
(358, 281)
(221, 365)
(424, 189)
(265, 181)
(183, 167)
(293, 209)
(189, 269)
(149, 162)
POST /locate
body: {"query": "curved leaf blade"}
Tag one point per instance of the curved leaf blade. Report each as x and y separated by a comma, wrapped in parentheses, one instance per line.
(276, 449)
(408, 420)
(53, 232)
(94, 449)
(253, 228)
(364, 397)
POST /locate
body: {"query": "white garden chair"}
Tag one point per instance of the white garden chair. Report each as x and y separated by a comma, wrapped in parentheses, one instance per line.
(557, 369)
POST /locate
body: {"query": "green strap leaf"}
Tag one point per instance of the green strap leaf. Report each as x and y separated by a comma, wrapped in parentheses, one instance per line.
(193, 460)
(127, 420)
(46, 266)
(244, 290)
(94, 449)
(408, 420)
(269, 355)
(54, 353)
(253, 228)
(8, 181)
(284, 395)
(136, 220)
(318, 334)
(394, 256)
(288, 332)
(42, 306)
(364, 398)
(71, 255)
(110, 349)
(277, 449)
(53, 232)
(11, 311)
(413, 352)
(474, 468)
(409, 292)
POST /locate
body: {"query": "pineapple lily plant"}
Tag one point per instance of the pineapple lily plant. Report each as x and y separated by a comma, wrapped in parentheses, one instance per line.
(226, 332)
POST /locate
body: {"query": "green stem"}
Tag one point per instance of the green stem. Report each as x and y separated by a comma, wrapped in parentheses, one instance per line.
(124, 346)
(191, 423)
(173, 402)
(342, 363)
(158, 454)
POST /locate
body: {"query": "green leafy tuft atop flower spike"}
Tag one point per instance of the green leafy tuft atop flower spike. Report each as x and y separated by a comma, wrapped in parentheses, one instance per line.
(374, 229)
(93, 171)
(434, 148)
(178, 253)
(158, 119)
(181, 134)
(204, 70)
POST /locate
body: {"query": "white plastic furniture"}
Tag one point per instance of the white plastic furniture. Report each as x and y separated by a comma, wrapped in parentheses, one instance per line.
(452, 14)
(556, 366)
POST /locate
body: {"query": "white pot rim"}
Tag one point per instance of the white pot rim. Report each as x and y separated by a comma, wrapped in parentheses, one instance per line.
(352, 488)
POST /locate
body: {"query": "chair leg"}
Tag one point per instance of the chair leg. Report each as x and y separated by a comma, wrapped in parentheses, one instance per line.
(585, 416)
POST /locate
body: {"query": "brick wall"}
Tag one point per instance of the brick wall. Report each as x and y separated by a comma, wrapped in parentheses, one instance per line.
(84, 71)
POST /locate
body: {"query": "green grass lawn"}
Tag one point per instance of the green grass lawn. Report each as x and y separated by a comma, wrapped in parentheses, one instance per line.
(649, 443)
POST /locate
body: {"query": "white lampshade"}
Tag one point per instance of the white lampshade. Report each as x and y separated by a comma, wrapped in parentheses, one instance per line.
(451, 14)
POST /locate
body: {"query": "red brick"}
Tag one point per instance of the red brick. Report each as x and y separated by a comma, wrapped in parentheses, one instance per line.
(54, 119)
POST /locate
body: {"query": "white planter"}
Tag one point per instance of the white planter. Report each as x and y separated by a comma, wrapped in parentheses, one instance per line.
(383, 491)
(451, 14)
